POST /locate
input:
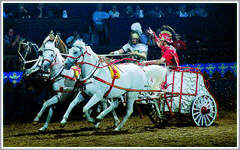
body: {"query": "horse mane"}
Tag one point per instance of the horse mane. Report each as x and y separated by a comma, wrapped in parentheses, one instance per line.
(51, 45)
(80, 43)
(60, 44)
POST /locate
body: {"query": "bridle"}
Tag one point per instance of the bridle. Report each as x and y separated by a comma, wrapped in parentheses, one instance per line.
(54, 59)
(82, 55)
(96, 66)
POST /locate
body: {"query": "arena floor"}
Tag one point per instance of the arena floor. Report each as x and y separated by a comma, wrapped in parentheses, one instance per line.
(137, 132)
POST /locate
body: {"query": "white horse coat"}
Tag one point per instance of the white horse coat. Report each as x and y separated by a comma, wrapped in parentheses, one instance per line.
(62, 78)
(131, 77)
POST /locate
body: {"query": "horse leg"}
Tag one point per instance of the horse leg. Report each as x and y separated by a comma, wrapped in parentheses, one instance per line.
(46, 104)
(112, 106)
(77, 100)
(94, 100)
(116, 120)
(130, 102)
(106, 111)
(45, 126)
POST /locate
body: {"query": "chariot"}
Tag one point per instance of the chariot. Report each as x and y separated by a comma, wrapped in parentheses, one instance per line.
(185, 92)
(182, 90)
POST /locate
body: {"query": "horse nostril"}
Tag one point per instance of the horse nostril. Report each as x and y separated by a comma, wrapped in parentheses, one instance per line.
(45, 68)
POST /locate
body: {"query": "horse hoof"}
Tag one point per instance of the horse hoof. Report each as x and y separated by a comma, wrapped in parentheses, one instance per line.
(91, 121)
(42, 129)
(96, 125)
(35, 122)
(116, 129)
(62, 125)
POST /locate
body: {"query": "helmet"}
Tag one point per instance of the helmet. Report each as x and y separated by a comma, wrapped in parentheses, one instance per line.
(166, 36)
(134, 35)
(137, 27)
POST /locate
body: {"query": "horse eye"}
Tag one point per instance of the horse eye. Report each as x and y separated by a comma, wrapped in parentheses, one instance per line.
(40, 53)
(75, 52)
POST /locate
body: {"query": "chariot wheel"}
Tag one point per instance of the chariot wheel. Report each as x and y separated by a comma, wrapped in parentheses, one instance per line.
(204, 110)
(153, 114)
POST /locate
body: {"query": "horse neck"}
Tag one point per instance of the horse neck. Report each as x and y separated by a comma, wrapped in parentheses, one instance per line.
(91, 59)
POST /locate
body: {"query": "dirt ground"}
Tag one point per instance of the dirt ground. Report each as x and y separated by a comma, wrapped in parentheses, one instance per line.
(137, 132)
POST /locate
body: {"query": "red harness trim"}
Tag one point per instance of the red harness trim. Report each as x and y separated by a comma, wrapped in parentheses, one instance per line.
(113, 81)
(86, 52)
(53, 65)
(71, 78)
(62, 91)
(47, 60)
(74, 57)
(116, 61)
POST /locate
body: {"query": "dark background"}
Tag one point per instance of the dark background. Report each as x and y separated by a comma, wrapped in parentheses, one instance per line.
(20, 103)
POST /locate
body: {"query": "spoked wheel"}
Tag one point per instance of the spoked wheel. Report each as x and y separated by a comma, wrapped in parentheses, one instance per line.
(153, 114)
(204, 110)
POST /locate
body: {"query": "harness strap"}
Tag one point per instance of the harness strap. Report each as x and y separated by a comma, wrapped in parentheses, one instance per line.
(74, 57)
(47, 60)
(53, 64)
(113, 81)
(55, 79)
(125, 89)
(116, 61)
(81, 83)
(71, 78)
(62, 91)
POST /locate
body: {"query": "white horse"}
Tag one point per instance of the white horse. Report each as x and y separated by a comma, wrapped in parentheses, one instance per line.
(61, 78)
(56, 61)
(94, 74)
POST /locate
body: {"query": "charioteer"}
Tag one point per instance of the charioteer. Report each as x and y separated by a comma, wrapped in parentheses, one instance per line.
(134, 48)
(164, 41)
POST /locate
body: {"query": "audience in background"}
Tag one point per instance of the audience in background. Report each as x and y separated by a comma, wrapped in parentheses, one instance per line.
(181, 47)
(5, 15)
(54, 10)
(113, 13)
(182, 12)
(199, 11)
(10, 40)
(22, 12)
(72, 39)
(156, 12)
(128, 12)
(179, 44)
(41, 11)
(138, 13)
(170, 12)
(99, 17)
(98, 24)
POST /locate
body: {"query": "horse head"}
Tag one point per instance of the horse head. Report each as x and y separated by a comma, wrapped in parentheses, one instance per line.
(75, 53)
(49, 54)
(57, 40)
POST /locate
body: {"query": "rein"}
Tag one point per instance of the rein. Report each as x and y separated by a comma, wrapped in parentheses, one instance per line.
(82, 81)
(121, 88)
(116, 61)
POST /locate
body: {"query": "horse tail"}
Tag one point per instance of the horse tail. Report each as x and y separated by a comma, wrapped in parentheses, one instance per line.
(158, 76)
